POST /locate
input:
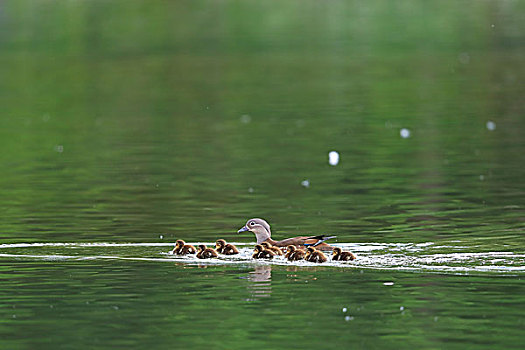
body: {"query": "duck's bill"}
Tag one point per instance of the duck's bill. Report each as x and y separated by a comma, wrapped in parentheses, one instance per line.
(243, 229)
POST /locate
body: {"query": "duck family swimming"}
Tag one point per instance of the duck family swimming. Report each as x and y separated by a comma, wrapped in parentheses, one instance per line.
(262, 251)
(307, 248)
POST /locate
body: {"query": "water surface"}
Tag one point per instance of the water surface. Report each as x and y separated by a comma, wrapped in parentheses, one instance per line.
(128, 125)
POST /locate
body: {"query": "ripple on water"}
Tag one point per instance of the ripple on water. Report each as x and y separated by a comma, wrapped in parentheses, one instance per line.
(452, 258)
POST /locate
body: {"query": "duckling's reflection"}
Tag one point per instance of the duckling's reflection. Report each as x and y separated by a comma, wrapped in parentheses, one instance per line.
(261, 278)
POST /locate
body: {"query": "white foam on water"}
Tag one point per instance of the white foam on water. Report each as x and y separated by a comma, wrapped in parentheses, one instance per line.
(425, 256)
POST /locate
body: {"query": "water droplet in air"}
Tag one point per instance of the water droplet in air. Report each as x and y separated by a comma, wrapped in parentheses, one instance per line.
(464, 58)
(349, 318)
(491, 125)
(481, 177)
(345, 309)
(388, 283)
(405, 133)
(305, 183)
(161, 237)
(333, 158)
(401, 308)
(246, 118)
(59, 148)
(251, 190)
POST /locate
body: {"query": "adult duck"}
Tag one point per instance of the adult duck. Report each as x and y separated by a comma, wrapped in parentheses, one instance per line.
(262, 232)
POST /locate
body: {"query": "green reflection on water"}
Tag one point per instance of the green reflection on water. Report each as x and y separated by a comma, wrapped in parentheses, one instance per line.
(123, 121)
(113, 304)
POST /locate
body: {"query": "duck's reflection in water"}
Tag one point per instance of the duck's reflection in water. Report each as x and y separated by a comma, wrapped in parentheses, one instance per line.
(261, 282)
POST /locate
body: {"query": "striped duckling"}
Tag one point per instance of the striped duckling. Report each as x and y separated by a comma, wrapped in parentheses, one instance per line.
(206, 253)
(225, 248)
(294, 254)
(275, 250)
(181, 248)
(262, 253)
(340, 255)
(314, 255)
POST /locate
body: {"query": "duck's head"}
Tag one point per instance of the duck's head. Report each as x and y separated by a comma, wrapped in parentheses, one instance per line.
(266, 245)
(259, 227)
(220, 243)
(179, 243)
(291, 248)
(311, 249)
(258, 248)
(202, 247)
(337, 251)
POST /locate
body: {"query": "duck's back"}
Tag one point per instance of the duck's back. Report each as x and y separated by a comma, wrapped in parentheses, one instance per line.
(230, 249)
(303, 241)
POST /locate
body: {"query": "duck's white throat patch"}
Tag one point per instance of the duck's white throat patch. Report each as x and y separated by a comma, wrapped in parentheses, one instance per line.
(261, 237)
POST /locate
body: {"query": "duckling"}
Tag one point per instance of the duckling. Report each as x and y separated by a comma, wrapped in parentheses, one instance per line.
(262, 253)
(275, 250)
(293, 254)
(181, 248)
(314, 255)
(226, 249)
(206, 253)
(339, 255)
(290, 251)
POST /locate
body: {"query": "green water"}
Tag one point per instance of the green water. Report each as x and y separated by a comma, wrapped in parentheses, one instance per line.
(128, 124)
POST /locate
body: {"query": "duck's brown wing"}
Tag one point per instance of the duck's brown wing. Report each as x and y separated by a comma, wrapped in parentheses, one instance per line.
(230, 249)
(267, 254)
(296, 241)
(188, 249)
(299, 255)
(316, 241)
(324, 247)
(349, 256)
(276, 250)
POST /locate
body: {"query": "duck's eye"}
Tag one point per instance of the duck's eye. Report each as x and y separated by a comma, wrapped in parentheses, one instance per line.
(252, 223)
